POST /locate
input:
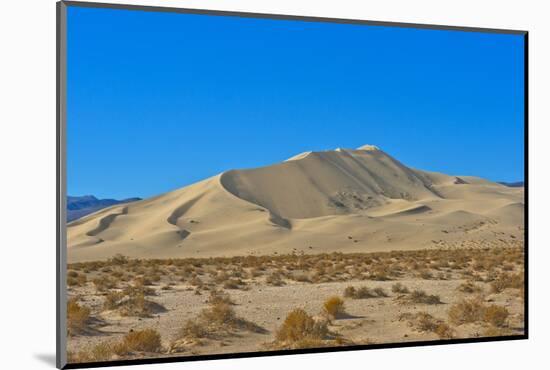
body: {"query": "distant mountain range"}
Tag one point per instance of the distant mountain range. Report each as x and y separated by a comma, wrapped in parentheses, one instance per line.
(78, 207)
(517, 184)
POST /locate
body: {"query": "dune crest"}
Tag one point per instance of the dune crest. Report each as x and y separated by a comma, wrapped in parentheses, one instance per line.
(313, 202)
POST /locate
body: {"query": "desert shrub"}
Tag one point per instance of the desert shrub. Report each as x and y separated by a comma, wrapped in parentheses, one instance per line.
(380, 292)
(420, 296)
(196, 281)
(506, 280)
(399, 288)
(193, 329)
(334, 306)
(467, 311)
(379, 275)
(100, 352)
(303, 278)
(131, 302)
(274, 279)
(496, 315)
(77, 317)
(220, 313)
(363, 292)
(299, 326)
(216, 321)
(424, 322)
(350, 292)
(76, 279)
(118, 260)
(469, 287)
(425, 274)
(218, 296)
(104, 283)
(147, 340)
(234, 284)
(444, 331)
(493, 331)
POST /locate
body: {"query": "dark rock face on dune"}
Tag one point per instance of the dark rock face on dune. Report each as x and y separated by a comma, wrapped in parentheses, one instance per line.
(78, 207)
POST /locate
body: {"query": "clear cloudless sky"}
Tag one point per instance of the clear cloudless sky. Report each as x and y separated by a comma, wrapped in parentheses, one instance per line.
(157, 101)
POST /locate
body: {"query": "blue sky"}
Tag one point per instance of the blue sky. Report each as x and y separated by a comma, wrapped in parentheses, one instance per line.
(157, 101)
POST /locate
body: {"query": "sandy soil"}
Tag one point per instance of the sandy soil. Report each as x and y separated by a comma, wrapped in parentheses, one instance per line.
(371, 320)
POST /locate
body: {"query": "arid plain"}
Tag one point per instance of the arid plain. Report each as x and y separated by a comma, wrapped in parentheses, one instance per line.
(331, 248)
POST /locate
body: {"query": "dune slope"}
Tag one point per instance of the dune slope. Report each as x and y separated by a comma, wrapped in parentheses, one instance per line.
(342, 200)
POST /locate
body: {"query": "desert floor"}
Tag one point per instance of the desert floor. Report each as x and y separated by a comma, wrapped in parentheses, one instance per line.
(126, 308)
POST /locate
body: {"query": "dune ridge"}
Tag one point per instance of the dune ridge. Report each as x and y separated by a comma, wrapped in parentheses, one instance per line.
(342, 200)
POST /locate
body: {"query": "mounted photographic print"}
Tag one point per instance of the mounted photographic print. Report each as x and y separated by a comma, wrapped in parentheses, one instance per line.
(237, 184)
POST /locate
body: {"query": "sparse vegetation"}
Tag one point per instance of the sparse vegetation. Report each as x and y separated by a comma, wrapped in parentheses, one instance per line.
(467, 311)
(334, 307)
(78, 317)
(132, 288)
(399, 288)
(496, 315)
(420, 296)
(300, 330)
(424, 322)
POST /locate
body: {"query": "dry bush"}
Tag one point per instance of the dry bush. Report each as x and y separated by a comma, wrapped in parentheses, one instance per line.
(301, 330)
(399, 288)
(469, 287)
(131, 302)
(467, 311)
(217, 321)
(493, 331)
(420, 296)
(218, 296)
(424, 322)
(104, 283)
(507, 280)
(360, 293)
(425, 274)
(496, 315)
(100, 352)
(193, 329)
(379, 274)
(76, 279)
(147, 340)
(303, 278)
(274, 279)
(364, 292)
(78, 317)
(196, 281)
(444, 331)
(380, 292)
(234, 284)
(334, 306)
(119, 260)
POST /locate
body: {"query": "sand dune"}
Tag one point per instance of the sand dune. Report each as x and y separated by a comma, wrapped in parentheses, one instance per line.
(342, 200)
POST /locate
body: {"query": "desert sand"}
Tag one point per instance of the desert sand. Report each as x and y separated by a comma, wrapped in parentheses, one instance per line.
(244, 304)
(334, 248)
(342, 200)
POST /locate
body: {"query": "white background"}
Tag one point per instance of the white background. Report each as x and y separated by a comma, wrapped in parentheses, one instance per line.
(27, 181)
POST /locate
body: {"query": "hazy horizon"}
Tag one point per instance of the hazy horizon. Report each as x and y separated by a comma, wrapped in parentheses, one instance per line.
(154, 108)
